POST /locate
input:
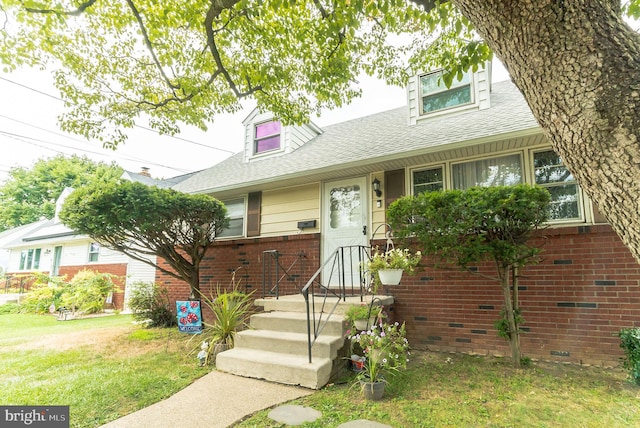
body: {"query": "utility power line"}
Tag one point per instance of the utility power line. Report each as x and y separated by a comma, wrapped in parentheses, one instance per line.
(35, 141)
(136, 125)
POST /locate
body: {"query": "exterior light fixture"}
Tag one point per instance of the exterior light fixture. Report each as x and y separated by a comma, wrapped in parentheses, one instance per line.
(376, 187)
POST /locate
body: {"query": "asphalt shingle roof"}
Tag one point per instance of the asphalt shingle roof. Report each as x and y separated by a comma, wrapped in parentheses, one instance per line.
(370, 139)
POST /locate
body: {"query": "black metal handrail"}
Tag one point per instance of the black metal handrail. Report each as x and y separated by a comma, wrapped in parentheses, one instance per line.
(342, 263)
(274, 271)
(18, 283)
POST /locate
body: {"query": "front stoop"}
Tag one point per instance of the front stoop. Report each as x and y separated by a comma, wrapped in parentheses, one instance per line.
(276, 346)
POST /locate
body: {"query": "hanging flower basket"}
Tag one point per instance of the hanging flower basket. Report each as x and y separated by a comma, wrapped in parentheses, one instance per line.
(390, 276)
(398, 260)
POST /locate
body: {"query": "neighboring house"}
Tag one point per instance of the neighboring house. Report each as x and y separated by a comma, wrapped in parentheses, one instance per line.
(309, 189)
(50, 247)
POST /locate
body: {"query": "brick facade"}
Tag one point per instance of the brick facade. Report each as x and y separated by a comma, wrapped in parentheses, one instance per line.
(118, 270)
(245, 257)
(574, 302)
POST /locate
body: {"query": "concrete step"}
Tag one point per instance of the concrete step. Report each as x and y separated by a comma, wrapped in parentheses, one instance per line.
(296, 322)
(325, 346)
(297, 303)
(276, 346)
(276, 367)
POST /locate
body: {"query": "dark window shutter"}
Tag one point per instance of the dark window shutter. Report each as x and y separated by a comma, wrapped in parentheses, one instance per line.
(393, 185)
(253, 213)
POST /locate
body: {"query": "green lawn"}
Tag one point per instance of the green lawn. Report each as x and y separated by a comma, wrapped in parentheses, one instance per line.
(114, 368)
(482, 392)
(103, 368)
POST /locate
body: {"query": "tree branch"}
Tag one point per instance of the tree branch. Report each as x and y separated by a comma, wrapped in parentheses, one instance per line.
(79, 11)
(215, 8)
(156, 61)
(149, 45)
(321, 8)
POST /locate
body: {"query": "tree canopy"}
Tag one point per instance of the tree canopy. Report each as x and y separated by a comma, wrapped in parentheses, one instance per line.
(461, 227)
(31, 193)
(577, 64)
(188, 61)
(142, 221)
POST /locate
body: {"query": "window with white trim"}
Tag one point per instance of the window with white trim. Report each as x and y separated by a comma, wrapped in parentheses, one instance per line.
(30, 259)
(94, 251)
(236, 214)
(427, 180)
(498, 171)
(435, 95)
(266, 137)
(551, 173)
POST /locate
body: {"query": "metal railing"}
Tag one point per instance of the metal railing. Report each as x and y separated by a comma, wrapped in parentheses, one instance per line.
(342, 272)
(278, 267)
(17, 284)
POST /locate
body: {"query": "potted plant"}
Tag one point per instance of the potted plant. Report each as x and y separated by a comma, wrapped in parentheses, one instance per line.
(386, 351)
(387, 266)
(363, 315)
(232, 310)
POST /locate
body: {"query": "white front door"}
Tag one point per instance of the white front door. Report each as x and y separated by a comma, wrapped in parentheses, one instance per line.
(344, 224)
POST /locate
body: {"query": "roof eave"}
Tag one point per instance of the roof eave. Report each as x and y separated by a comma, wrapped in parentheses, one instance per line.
(373, 161)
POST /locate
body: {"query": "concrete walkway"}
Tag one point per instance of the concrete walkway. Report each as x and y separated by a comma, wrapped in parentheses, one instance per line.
(215, 400)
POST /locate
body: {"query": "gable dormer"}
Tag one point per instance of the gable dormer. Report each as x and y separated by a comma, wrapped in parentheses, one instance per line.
(265, 136)
(429, 97)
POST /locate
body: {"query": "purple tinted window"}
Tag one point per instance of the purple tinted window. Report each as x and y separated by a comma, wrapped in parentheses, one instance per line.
(267, 136)
(268, 144)
(268, 128)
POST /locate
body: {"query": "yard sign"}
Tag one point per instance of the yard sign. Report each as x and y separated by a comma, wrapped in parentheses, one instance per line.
(189, 316)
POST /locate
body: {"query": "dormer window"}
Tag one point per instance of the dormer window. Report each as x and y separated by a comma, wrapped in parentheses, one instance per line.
(267, 137)
(436, 96)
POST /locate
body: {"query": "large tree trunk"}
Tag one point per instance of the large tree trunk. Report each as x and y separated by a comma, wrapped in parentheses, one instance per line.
(578, 66)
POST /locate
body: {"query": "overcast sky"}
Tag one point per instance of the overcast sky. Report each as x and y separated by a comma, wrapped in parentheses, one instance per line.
(29, 106)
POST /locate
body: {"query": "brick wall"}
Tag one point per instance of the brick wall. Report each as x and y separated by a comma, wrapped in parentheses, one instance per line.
(585, 290)
(119, 270)
(245, 257)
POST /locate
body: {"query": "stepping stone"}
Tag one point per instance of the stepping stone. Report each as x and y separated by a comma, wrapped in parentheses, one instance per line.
(294, 415)
(363, 423)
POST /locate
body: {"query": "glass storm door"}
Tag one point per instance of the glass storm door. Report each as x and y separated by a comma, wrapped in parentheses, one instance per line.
(344, 224)
(57, 255)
